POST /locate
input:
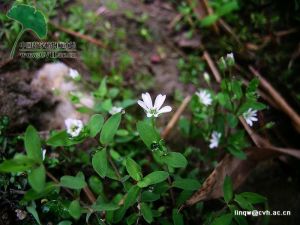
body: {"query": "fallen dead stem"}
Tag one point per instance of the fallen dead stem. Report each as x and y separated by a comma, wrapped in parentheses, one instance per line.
(237, 169)
(176, 116)
(212, 66)
(79, 35)
(228, 29)
(278, 99)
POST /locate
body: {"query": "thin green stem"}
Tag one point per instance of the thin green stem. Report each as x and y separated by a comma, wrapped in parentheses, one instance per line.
(153, 122)
(170, 183)
(113, 165)
(16, 42)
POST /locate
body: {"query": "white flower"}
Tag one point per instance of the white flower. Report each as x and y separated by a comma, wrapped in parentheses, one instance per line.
(74, 74)
(74, 127)
(250, 116)
(155, 110)
(215, 139)
(230, 56)
(44, 153)
(115, 110)
(206, 77)
(21, 214)
(230, 59)
(204, 97)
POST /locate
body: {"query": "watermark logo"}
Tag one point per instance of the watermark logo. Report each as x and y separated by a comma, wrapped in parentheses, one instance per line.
(261, 213)
(31, 19)
(34, 20)
(38, 50)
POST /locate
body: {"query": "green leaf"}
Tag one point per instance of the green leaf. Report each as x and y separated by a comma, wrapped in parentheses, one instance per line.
(237, 89)
(227, 8)
(132, 196)
(253, 85)
(224, 100)
(227, 189)
(105, 206)
(146, 212)
(61, 138)
(33, 143)
(130, 220)
(65, 222)
(75, 209)
(250, 103)
(237, 152)
(37, 178)
(33, 195)
(95, 124)
(110, 128)
(57, 207)
(253, 198)
(177, 217)
(102, 90)
(34, 213)
(30, 18)
(72, 182)
(96, 184)
(223, 220)
(243, 202)
(153, 178)
(147, 133)
(133, 169)
(175, 160)
(232, 120)
(148, 196)
(209, 20)
(19, 163)
(186, 184)
(99, 162)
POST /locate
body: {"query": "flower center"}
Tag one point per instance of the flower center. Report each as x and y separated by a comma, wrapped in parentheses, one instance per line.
(74, 128)
(152, 111)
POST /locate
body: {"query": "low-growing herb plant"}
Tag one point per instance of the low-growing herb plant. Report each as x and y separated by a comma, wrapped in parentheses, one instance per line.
(117, 169)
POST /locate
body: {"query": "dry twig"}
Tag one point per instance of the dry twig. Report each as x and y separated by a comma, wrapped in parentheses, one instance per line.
(79, 35)
(212, 66)
(176, 116)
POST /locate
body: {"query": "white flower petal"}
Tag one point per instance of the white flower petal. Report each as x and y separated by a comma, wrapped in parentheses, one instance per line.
(159, 101)
(249, 123)
(215, 139)
(147, 100)
(44, 154)
(204, 97)
(142, 104)
(115, 110)
(250, 116)
(165, 109)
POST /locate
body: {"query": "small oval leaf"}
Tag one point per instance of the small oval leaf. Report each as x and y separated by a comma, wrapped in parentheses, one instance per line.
(110, 128)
